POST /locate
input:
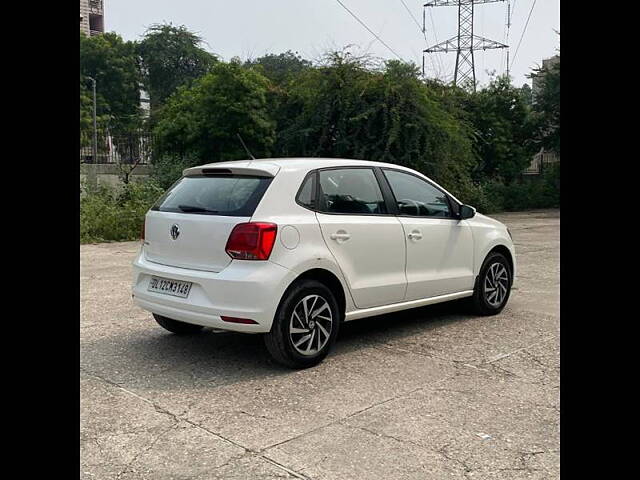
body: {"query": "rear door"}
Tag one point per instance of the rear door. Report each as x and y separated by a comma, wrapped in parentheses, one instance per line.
(189, 225)
(439, 246)
(367, 242)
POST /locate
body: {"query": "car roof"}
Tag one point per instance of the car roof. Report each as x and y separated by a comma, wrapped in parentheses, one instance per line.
(271, 166)
(298, 163)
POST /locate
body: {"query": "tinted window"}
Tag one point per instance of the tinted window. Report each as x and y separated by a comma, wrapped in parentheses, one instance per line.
(305, 196)
(417, 197)
(232, 195)
(350, 190)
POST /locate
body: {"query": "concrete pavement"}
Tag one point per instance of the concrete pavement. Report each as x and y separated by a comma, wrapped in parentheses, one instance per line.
(430, 393)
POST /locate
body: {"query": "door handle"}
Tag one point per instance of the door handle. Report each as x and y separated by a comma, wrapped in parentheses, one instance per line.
(340, 235)
(415, 235)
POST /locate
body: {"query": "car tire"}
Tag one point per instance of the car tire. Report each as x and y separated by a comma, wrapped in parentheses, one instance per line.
(287, 342)
(174, 326)
(495, 275)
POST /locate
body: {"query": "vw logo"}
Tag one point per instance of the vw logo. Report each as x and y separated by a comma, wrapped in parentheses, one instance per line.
(175, 231)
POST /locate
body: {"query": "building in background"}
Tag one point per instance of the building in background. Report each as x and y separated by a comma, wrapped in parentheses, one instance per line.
(145, 103)
(536, 78)
(544, 157)
(92, 17)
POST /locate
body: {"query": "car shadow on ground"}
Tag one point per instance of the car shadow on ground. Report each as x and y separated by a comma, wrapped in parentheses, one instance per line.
(168, 361)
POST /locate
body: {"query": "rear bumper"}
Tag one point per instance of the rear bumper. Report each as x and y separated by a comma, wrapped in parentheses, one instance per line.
(244, 289)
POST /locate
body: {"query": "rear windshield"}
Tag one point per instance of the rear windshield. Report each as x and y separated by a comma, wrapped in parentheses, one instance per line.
(230, 195)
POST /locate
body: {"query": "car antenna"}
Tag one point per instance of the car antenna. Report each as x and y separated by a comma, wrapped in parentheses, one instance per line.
(245, 146)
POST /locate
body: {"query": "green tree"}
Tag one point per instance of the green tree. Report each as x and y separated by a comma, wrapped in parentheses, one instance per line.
(350, 108)
(525, 92)
(112, 62)
(547, 107)
(202, 121)
(501, 120)
(170, 57)
(280, 67)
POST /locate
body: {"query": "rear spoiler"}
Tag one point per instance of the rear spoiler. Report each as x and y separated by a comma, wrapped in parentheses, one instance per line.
(261, 170)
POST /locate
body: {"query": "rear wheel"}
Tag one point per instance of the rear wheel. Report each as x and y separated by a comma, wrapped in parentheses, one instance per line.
(305, 325)
(174, 326)
(493, 286)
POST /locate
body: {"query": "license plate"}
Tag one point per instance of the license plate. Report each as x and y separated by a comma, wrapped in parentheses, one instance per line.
(177, 288)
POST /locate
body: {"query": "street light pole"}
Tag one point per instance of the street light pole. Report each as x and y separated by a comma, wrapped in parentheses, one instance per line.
(95, 128)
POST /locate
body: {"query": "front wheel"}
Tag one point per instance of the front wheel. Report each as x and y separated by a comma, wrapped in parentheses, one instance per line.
(493, 286)
(305, 325)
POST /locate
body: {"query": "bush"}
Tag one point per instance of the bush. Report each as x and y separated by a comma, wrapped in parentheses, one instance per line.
(115, 214)
(535, 192)
(484, 198)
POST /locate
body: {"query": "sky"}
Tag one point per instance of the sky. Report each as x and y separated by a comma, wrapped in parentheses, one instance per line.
(250, 29)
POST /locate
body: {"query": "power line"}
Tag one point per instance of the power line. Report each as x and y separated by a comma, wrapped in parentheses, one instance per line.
(412, 16)
(435, 36)
(523, 31)
(422, 30)
(370, 31)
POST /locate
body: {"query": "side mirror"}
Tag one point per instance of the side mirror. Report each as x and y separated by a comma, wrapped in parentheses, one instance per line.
(467, 211)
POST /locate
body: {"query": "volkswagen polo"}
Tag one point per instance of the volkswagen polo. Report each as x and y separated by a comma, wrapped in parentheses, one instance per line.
(291, 248)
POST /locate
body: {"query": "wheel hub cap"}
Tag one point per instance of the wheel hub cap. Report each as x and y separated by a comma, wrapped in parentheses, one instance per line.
(496, 284)
(310, 325)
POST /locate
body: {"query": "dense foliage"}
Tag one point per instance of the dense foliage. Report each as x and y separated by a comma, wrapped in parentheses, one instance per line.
(281, 67)
(501, 122)
(203, 121)
(347, 109)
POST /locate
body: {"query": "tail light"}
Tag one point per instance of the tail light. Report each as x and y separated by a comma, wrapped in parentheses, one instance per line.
(251, 241)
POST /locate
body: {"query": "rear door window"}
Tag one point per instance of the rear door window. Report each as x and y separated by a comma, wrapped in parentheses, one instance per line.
(229, 195)
(350, 190)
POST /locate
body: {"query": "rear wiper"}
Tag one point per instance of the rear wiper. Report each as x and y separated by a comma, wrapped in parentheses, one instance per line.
(194, 209)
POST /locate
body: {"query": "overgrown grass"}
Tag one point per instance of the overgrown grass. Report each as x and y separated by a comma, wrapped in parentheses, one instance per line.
(115, 214)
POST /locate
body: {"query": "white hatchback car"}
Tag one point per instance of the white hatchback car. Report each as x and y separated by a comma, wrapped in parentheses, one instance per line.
(290, 248)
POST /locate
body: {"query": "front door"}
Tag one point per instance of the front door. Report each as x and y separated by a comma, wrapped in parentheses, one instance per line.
(367, 242)
(439, 246)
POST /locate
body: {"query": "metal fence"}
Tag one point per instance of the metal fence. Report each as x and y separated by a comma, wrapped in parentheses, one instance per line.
(129, 148)
(539, 161)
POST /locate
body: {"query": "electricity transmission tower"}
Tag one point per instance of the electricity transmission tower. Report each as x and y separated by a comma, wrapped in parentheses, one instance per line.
(466, 42)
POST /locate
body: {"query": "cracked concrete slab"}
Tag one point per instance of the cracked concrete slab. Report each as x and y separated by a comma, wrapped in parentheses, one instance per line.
(115, 427)
(428, 393)
(294, 403)
(482, 423)
(344, 452)
(184, 451)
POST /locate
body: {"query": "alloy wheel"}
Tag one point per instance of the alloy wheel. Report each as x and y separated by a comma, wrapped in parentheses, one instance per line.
(310, 325)
(496, 284)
